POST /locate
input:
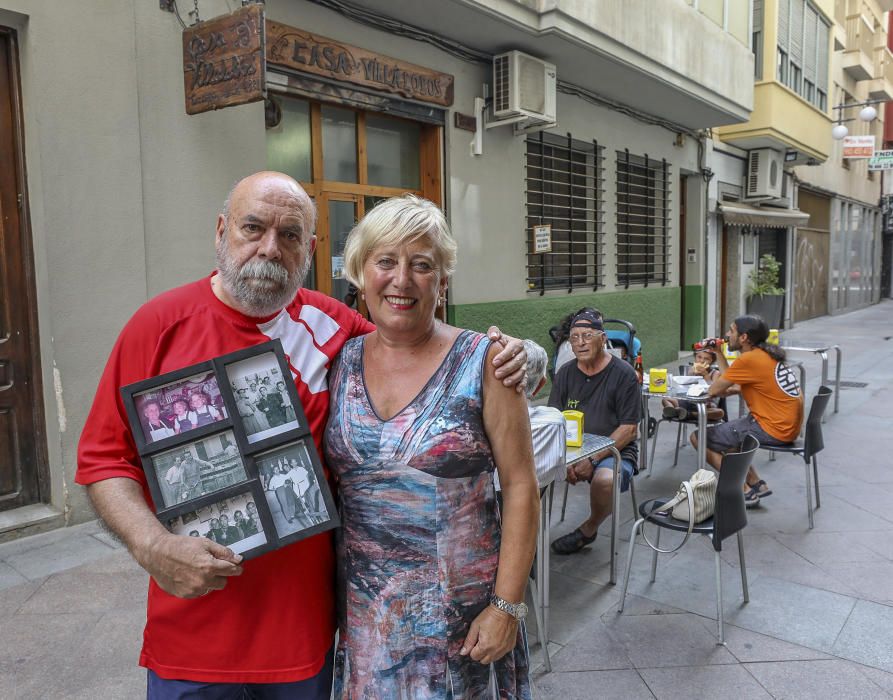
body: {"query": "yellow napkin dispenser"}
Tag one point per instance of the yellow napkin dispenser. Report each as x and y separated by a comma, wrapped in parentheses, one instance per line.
(773, 336)
(574, 422)
(657, 381)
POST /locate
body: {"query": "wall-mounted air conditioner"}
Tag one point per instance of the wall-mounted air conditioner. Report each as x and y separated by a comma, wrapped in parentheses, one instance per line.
(523, 89)
(765, 174)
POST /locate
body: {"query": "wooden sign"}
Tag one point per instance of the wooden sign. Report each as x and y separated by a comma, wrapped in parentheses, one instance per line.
(224, 62)
(311, 53)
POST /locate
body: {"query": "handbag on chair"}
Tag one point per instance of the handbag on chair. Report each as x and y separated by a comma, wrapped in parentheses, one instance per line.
(693, 503)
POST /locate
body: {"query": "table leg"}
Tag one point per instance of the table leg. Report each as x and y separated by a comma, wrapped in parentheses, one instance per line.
(839, 355)
(643, 442)
(615, 513)
(542, 575)
(702, 434)
(824, 356)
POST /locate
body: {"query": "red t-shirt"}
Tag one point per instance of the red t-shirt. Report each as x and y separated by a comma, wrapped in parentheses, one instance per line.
(276, 621)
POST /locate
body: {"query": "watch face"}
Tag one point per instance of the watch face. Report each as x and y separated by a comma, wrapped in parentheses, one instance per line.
(521, 609)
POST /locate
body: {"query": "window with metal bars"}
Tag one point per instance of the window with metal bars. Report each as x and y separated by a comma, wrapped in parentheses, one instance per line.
(643, 217)
(564, 187)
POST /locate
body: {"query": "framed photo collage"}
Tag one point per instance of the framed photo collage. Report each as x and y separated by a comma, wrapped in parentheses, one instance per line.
(228, 453)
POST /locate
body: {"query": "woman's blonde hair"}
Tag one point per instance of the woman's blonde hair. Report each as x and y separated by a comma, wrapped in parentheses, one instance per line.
(399, 221)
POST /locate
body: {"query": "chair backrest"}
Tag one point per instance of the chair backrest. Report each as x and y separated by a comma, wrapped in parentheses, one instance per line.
(813, 442)
(730, 514)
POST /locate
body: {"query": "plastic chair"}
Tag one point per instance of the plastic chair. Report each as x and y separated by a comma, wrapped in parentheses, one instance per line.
(812, 443)
(729, 518)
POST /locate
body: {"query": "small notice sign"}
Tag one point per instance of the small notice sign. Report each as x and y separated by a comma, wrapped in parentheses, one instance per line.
(881, 160)
(224, 61)
(858, 146)
(542, 239)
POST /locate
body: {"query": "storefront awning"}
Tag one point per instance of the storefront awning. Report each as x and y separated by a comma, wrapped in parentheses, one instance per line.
(739, 214)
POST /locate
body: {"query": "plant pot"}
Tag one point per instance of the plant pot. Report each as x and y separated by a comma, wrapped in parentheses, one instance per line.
(770, 307)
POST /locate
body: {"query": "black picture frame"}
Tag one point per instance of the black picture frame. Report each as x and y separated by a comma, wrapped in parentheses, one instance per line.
(231, 449)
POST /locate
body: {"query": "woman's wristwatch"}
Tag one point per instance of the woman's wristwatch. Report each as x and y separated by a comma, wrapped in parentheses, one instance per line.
(516, 610)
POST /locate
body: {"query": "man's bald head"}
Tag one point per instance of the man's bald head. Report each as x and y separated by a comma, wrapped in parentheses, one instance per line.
(265, 243)
(270, 178)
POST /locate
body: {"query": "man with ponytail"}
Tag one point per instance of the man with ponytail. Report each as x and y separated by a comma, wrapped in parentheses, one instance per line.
(771, 391)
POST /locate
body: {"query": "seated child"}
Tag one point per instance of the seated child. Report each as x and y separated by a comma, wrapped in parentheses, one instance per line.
(682, 409)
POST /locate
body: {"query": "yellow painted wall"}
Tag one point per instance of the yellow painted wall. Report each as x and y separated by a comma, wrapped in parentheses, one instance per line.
(780, 114)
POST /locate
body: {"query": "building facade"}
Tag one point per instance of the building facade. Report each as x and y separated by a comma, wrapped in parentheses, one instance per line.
(115, 189)
(823, 223)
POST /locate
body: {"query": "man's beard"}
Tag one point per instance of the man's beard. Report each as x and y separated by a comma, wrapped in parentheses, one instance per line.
(258, 300)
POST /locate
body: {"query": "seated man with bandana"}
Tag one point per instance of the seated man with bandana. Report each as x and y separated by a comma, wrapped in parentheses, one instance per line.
(606, 390)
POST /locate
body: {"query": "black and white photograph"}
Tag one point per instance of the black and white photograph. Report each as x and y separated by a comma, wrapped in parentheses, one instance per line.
(232, 522)
(263, 401)
(180, 406)
(197, 468)
(293, 494)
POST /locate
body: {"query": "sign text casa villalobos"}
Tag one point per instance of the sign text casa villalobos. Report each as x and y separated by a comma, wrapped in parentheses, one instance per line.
(225, 60)
(310, 53)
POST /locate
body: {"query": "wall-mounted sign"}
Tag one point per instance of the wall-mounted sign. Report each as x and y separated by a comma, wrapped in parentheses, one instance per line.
(542, 239)
(881, 160)
(223, 61)
(311, 53)
(691, 255)
(858, 146)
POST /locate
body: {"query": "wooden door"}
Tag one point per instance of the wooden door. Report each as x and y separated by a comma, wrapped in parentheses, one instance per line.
(22, 442)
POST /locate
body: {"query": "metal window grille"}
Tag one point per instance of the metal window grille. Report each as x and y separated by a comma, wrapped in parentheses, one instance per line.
(564, 189)
(643, 218)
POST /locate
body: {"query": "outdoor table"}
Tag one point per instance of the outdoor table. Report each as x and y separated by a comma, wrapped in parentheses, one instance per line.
(679, 393)
(821, 349)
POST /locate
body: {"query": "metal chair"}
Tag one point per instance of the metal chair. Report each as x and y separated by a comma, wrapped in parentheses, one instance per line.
(811, 444)
(729, 518)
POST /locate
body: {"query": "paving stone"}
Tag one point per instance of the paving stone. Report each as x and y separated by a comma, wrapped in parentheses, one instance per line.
(86, 593)
(32, 542)
(829, 547)
(867, 636)
(28, 640)
(872, 580)
(11, 599)
(882, 679)
(704, 682)
(747, 646)
(584, 685)
(788, 611)
(9, 577)
(808, 680)
(592, 649)
(880, 542)
(575, 604)
(653, 641)
(58, 556)
(637, 605)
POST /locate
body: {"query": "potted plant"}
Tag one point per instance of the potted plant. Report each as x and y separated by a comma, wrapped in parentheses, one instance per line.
(765, 297)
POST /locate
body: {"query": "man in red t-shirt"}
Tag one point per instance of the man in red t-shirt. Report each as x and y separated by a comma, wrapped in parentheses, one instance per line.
(214, 626)
(771, 391)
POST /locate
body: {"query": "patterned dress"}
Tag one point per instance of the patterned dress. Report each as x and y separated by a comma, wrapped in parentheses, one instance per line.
(419, 544)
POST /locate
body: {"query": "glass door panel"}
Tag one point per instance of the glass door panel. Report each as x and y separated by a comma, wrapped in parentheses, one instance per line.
(342, 218)
(392, 147)
(288, 143)
(339, 144)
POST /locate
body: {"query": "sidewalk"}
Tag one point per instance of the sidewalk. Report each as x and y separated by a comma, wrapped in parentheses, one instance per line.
(819, 623)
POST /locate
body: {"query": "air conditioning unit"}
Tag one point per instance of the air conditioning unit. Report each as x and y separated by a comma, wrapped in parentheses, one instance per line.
(765, 174)
(523, 89)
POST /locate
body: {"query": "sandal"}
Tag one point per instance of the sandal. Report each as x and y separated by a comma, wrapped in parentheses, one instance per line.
(751, 499)
(761, 492)
(572, 542)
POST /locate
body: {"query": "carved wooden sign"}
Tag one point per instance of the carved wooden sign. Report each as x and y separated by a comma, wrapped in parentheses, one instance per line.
(311, 53)
(224, 61)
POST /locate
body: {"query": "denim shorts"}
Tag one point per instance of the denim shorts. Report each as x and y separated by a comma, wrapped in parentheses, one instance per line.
(627, 469)
(725, 437)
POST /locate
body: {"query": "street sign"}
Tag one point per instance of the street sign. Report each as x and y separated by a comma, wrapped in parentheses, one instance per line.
(858, 146)
(881, 160)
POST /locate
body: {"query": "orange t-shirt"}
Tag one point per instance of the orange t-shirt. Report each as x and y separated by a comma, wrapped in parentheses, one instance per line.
(772, 393)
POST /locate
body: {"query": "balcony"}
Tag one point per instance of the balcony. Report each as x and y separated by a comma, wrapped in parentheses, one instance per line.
(881, 86)
(858, 57)
(783, 121)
